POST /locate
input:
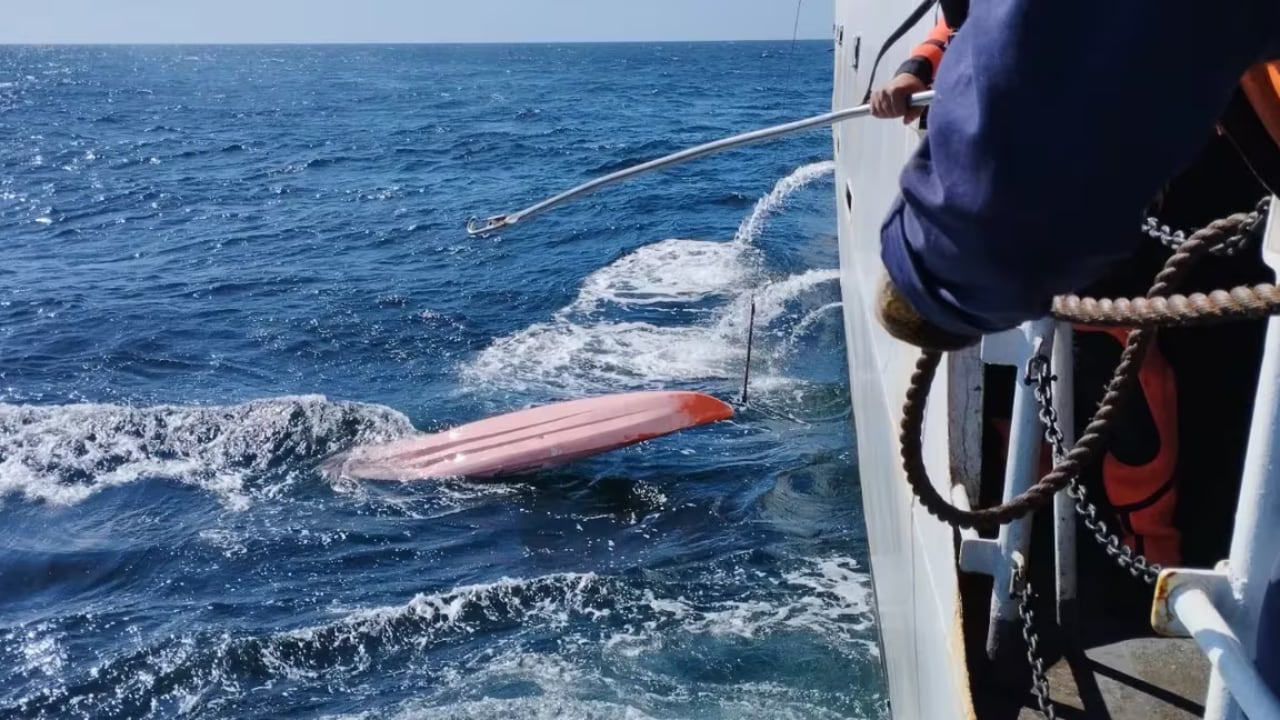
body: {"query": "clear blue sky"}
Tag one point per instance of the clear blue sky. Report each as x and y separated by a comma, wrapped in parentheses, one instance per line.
(215, 21)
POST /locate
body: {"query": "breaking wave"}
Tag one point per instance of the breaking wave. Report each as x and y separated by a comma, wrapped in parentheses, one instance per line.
(64, 454)
(714, 283)
(547, 640)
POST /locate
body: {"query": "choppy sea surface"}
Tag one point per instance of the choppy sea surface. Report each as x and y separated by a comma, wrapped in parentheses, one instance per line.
(220, 265)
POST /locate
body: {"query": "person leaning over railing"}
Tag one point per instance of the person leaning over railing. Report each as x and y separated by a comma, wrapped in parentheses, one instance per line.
(1052, 127)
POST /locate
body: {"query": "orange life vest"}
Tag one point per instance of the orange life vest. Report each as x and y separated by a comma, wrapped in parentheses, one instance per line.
(1144, 497)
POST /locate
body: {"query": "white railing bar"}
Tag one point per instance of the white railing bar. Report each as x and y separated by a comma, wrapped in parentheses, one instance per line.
(1227, 658)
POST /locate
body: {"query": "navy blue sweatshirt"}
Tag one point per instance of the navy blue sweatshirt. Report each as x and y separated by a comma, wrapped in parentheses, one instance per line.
(1053, 127)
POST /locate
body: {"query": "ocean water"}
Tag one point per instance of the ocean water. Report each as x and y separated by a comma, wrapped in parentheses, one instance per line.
(220, 265)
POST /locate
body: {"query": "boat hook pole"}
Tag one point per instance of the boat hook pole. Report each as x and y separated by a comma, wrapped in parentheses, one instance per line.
(477, 227)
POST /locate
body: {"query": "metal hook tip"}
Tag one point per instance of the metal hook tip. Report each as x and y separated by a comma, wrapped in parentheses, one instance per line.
(476, 226)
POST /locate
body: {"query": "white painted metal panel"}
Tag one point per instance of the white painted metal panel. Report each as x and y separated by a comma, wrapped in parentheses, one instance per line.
(911, 552)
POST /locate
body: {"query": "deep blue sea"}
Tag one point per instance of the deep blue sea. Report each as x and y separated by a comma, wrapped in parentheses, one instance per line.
(220, 265)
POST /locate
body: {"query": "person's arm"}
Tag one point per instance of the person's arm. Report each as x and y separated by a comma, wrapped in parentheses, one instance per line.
(912, 76)
(1053, 126)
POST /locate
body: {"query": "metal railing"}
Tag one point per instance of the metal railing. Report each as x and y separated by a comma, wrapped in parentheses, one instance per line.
(1186, 606)
(1218, 608)
(1221, 608)
(996, 557)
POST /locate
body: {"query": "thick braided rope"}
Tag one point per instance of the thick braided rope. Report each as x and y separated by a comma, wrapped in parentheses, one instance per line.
(1165, 309)
(1239, 303)
(1091, 446)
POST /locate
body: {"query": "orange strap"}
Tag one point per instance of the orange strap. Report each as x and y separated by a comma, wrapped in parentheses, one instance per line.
(935, 45)
(1261, 84)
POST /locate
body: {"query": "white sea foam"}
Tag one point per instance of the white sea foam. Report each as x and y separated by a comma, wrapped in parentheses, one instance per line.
(608, 660)
(669, 271)
(578, 351)
(65, 454)
(826, 599)
(554, 688)
(768, 205)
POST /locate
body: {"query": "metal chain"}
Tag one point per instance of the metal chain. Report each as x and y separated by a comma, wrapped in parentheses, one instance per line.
(1039, 375)
(1039, 682)
(1159, 307)
(1173, 239)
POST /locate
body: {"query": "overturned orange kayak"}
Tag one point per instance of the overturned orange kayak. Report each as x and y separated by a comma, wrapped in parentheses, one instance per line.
(531, 439)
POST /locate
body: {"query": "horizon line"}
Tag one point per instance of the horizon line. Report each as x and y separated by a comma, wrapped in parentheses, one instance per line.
(180, 43)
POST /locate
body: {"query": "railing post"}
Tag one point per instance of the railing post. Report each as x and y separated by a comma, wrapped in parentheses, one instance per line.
(1064, 515)
(1255, 541)
(1015, 348)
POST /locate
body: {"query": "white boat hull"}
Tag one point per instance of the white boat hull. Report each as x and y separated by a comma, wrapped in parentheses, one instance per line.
(912, 554)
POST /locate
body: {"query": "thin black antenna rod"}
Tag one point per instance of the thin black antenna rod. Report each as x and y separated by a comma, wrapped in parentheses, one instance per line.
(751, 331)
(795, 31)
